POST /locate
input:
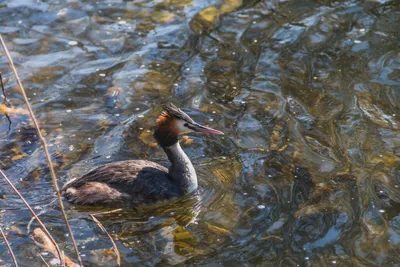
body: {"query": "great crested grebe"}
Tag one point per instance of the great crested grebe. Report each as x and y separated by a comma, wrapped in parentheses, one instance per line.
(136, 182)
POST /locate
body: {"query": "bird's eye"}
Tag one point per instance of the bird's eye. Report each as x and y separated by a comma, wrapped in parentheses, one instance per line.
(188, 126)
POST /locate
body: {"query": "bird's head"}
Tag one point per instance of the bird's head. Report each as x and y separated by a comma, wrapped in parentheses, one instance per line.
(172, 122)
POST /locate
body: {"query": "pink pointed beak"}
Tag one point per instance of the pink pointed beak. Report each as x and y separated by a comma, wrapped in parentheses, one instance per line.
(202, 129)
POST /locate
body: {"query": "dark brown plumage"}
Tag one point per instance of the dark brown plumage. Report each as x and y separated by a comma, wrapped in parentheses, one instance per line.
(123, 182)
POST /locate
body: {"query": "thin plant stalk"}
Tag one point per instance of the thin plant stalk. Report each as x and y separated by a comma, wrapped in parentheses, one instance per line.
(5, 101)
(33, 213)
(100, 225)
(105, 212)
(44, 261)
(46, 152)
(43, 241)
(2, 88)
(9, 247)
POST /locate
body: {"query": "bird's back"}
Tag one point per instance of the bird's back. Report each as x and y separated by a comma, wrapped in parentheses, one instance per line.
(128, 183)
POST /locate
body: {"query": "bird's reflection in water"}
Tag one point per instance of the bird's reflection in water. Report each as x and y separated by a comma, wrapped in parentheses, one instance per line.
(163, 229)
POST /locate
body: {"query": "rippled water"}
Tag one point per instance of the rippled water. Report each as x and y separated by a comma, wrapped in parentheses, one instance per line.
(307, 93)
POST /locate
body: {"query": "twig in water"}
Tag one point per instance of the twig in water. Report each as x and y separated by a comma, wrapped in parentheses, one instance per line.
(5, 101)
(44, 242)
(44, 261)
(2, 88)
(9, 121)
(9, 247)
(109, 236)
(44, 144)
(43, 211)
(34, 214)
(105, 212)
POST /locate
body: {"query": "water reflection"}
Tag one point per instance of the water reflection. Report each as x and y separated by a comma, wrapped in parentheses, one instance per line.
(305, 91)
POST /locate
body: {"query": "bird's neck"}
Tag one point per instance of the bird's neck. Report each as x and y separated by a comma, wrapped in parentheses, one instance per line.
(181, 170)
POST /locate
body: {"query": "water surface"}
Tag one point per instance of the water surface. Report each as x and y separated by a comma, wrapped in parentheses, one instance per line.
(307, 93)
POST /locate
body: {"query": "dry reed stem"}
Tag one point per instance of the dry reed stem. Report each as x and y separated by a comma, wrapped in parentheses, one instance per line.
(105, 212)
(2, 88)
(5, 101)
(45, 243)
(44, 261)
(100, 225)
(44, 144)
(33, 213)
(9, 247)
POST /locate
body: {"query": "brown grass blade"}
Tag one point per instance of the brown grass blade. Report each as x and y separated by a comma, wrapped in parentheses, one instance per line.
(44, 261)
(9, 247)
(100, 225)
(105, 212)
(2, 88)
(33, 213)
(44, 144)
(43, 241)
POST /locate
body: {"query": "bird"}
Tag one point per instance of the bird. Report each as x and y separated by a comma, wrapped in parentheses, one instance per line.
(142, 182)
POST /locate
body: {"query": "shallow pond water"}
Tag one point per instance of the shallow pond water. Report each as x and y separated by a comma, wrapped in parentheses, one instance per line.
(307, 93)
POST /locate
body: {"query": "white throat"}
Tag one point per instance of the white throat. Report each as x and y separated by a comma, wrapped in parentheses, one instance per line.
(181, 170)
